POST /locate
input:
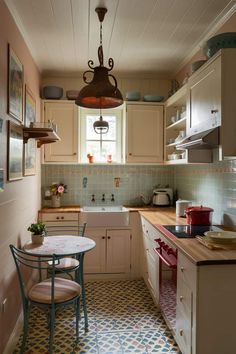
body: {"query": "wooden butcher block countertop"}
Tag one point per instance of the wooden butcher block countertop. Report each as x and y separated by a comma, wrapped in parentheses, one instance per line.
(77, 208)
(196, 252)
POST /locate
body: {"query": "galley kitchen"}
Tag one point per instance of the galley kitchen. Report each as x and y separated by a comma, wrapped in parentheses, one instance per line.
(117, 176)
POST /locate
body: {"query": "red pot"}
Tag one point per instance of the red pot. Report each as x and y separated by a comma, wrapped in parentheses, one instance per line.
(199, 215)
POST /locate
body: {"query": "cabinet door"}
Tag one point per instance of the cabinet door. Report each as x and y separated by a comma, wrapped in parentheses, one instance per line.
(118, 251)
(60, 221)
(95, 260)
(65, 116)
(144, 133)
(185, 314)
(204, 95)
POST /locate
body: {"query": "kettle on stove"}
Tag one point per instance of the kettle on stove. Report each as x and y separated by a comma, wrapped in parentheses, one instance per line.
(162, 197)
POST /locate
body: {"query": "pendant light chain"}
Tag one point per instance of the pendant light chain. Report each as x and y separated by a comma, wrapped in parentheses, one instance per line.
(101, 33)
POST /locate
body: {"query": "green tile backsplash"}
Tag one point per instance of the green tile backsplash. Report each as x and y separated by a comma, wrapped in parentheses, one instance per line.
(212, 185)
(127, 183)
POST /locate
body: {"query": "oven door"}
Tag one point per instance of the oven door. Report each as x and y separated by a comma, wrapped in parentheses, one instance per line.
(167, 282)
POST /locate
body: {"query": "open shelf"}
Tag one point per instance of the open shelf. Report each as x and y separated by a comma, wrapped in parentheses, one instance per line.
(44, 133)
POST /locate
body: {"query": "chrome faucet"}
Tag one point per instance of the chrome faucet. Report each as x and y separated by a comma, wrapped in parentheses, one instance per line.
(93, 198)
(103, 197)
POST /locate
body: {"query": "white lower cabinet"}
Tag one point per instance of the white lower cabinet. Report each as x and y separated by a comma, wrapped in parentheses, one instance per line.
(59, 219)
(206, 311)
(112, 251)
(150, 271)
(186, 288)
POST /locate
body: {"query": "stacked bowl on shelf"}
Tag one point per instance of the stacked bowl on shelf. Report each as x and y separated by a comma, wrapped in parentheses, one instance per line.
(136, 96)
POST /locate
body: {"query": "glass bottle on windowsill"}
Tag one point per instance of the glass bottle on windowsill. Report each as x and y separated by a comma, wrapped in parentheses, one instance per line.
(109, 158)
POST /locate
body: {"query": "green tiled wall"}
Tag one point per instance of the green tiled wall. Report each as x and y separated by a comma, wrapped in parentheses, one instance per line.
(212, 185)
(134, 181)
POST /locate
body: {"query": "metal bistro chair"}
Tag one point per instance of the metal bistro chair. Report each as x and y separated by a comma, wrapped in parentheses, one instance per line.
(67, 264)
(50, 293)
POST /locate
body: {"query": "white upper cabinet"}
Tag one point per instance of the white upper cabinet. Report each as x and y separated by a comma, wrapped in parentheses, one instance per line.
(144, 133)
(65, 115)
(204, 95)
(211, 99)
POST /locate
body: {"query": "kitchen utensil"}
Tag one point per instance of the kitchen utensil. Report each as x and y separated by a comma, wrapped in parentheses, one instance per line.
(181, 206)
(162, 197)
(222, 236)
(52, 92)
(199, 215)
(153, 98)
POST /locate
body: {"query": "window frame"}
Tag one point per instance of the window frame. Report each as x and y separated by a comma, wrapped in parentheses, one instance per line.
(118, 112)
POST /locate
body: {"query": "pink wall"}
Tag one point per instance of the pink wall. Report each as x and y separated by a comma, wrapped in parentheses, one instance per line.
(229, 26)
(20, 200)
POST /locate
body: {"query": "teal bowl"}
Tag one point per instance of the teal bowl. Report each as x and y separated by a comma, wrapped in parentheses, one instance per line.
(133, 96)
(153, 98)
(222, 40)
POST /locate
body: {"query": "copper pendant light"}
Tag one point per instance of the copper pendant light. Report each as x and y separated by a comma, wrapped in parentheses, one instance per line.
(100, 93)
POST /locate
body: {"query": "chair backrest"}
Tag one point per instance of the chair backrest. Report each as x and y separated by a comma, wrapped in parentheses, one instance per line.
(75, 230)
(26, 263)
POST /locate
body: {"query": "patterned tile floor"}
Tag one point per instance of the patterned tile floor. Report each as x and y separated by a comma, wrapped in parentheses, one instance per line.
(122, 319)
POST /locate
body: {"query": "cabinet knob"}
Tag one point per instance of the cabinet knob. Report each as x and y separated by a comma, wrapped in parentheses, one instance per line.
(182, 269)
(214, 111)
(181, 332)
(181, 298)
(130, 154)
(74, 153)
(57, 218)
(62, 217)
(103, 237)
(109, 237)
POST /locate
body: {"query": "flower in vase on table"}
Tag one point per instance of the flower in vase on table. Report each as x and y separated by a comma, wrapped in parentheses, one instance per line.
(58, 189)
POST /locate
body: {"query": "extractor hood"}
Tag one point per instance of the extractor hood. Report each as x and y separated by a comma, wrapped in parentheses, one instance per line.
(208, 139)
(44, 133)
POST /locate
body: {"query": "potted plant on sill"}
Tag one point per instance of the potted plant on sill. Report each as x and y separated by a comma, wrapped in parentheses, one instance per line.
(90, 158)
(38, 231)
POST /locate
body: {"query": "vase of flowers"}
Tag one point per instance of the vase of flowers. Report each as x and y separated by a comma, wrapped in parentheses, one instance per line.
(57, 189)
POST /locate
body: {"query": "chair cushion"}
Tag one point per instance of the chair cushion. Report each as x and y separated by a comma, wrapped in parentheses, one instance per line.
(64, 290)
(65, 263)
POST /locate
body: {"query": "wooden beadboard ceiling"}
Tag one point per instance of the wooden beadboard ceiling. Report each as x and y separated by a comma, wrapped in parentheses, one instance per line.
(148, 36)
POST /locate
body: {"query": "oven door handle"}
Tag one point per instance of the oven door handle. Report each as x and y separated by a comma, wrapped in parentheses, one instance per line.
(157, 250)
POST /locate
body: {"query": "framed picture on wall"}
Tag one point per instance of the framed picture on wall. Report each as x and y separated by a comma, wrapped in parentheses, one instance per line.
(30, 147)
(14, 152)
(15, 86)
(30, 157)
(30, 107)
(1, 180)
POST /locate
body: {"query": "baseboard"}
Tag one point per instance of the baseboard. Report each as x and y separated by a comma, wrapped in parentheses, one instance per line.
(14, 337)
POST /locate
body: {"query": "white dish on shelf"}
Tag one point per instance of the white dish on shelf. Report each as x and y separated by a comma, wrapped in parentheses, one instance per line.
(221, 236)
